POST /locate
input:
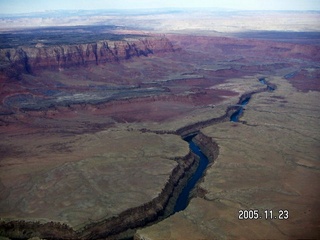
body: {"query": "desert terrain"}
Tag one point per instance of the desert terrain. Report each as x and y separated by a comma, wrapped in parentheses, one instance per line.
(94, 119)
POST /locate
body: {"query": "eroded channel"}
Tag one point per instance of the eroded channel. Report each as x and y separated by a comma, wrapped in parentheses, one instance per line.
(184, 197)
(204, 147)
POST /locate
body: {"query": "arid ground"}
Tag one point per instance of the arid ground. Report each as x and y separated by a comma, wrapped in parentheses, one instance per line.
(92, 127)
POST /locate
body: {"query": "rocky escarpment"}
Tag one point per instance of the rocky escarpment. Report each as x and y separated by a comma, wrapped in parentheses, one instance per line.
(129, 219)
(140, 216)
(207, 145)
(28, 59)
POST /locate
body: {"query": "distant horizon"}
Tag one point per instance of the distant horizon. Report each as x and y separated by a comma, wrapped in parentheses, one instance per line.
(18, 7)
(144, 10)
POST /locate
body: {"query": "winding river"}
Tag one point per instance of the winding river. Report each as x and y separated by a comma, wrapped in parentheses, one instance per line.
(236, 115)
(122, 224)
(269, 87)
(184, 197)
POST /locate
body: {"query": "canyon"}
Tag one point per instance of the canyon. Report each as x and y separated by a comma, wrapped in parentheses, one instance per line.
(263, 164)
(92, 136)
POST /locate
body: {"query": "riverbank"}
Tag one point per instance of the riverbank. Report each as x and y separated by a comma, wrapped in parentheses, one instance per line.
(139, 216)
(268, 161)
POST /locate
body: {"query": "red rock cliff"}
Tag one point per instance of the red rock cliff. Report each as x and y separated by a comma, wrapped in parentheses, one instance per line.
(32, 58)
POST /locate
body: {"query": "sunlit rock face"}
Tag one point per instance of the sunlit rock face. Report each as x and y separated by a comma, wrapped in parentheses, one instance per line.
(39, 57)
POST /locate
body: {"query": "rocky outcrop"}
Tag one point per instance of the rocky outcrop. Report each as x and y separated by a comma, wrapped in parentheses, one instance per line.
(140, 216)
(207, 145)
(129, 219)
(28, 59)
(25, 230)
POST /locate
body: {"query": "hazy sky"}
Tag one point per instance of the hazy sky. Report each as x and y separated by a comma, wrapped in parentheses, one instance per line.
(24, 6)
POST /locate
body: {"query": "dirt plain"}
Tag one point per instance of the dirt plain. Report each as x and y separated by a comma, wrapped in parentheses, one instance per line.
(270, 162)
(61, 178)
(85, 154)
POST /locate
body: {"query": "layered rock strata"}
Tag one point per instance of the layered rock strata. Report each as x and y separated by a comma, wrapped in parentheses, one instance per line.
(28, 59)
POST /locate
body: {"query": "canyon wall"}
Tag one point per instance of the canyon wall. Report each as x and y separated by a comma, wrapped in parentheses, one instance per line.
(28, 59)
(106, 228)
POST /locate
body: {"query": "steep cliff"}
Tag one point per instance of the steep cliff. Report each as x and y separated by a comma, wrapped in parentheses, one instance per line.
(106, 228)
(28, 59)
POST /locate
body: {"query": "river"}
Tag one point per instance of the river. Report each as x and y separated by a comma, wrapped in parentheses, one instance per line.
(184, 196)
(183, 199)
